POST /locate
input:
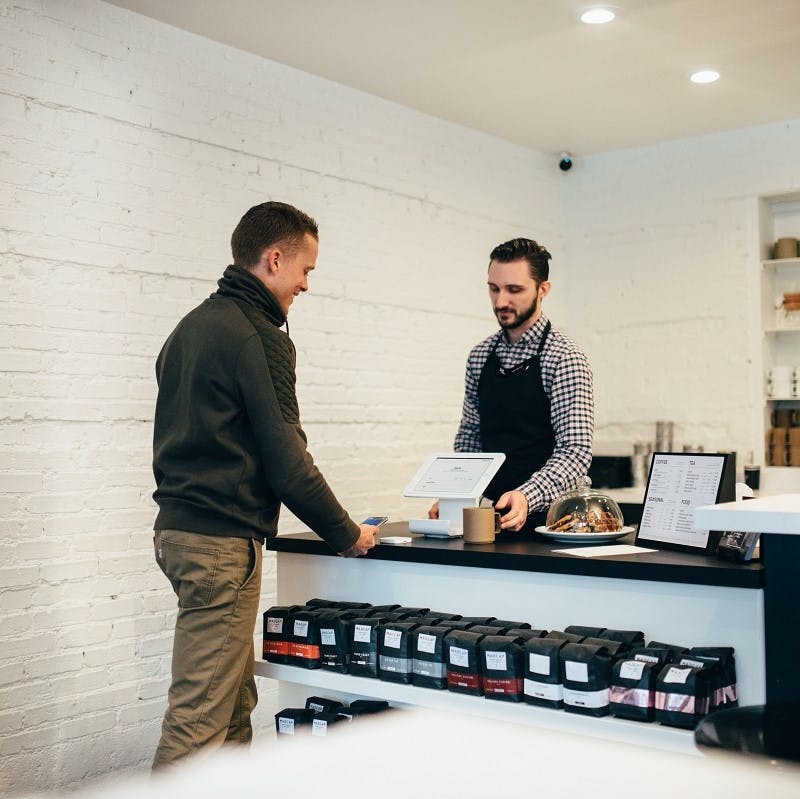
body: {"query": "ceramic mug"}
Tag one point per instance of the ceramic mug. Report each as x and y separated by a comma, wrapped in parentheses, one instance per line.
(480, 525)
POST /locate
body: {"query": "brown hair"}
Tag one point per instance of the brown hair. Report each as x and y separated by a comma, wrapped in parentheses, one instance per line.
(536, 256)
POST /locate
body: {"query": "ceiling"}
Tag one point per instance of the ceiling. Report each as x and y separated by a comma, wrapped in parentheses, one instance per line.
(528, 70)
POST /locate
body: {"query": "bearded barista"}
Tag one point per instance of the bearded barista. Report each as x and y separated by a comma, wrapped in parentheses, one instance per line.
(528, 393)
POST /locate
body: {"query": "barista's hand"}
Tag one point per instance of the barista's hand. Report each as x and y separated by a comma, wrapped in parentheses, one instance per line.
(433, 513)
(365, 542)
(513, 505)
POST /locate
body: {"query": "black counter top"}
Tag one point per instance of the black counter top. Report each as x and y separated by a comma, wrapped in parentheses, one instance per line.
(535, 554)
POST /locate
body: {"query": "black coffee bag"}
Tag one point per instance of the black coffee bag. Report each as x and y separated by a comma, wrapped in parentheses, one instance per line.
(542, 672)
(463, 662)
(510, 625)
(364, 707)
(276, 633)
(429, 666)
(613, 648)
(333, 636)
(584, 632)
(486, 629)
(525, 633)
(395, 651)
(362, 637)
(633, 689)
(377, 610)
(304, 639)
(294, 721)
(726, 693)
(319, 704)
(409, 611)
(502, 667)
(458, 624)
(322, 723)
(683, 695)
(628, 638)
(478, 619)
(570, 638)
(586, 674)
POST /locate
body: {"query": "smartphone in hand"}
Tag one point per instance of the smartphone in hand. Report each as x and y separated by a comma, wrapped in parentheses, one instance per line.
(376, 521)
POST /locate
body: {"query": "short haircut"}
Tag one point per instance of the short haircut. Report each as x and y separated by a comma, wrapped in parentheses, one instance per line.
(266, 225)
(516, 249)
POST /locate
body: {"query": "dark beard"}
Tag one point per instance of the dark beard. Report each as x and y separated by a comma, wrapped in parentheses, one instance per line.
(520, 317)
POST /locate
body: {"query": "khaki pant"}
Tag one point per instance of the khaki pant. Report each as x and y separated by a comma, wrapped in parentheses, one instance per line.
(218, 583)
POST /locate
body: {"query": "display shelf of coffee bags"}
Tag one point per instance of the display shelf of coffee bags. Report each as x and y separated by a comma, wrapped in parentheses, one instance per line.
(347, 687)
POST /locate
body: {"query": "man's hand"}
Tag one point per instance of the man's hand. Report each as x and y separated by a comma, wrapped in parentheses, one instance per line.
(433, 512)
(513, 505)
(365, 542)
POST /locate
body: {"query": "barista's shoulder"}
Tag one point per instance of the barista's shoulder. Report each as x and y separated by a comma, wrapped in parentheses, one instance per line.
(482, 349)
(564, 345)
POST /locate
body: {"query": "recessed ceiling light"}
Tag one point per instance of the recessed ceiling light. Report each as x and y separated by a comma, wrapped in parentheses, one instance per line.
(597, 16)
(704, 76)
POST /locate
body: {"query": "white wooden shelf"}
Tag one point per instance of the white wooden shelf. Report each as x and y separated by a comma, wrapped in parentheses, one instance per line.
(608, 728)
(772, 263)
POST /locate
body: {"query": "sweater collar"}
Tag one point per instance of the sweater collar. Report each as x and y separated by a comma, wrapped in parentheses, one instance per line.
(239, 284)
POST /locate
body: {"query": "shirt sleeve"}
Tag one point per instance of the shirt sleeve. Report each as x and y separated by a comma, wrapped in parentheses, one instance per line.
(468, 436)
(288, 466)
(572, 417)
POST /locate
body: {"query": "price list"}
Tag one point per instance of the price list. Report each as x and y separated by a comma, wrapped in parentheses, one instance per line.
(678, 484)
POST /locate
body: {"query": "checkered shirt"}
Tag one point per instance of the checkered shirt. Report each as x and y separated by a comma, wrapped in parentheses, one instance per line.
(567, 380)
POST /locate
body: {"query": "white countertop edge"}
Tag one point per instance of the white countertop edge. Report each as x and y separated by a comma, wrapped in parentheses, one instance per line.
(773, 514)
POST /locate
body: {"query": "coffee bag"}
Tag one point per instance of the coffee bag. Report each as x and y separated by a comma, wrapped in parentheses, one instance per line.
(586, 674)
(463, 662)
(395, 651)
(542, 683)
(429, 666)
(502, 666)
(276, 633)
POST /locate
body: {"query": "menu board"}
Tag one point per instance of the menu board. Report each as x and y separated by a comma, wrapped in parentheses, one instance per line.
(678, 483)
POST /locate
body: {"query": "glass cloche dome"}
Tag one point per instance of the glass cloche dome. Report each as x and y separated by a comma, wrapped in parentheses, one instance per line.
(584, 510)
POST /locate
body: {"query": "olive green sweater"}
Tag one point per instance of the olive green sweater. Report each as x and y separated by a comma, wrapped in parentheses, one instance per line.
(227, 444)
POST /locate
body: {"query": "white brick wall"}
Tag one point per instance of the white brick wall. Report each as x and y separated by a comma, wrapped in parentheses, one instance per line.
(129, 150)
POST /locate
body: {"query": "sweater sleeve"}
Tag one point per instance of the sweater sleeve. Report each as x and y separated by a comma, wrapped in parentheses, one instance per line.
(288, 466)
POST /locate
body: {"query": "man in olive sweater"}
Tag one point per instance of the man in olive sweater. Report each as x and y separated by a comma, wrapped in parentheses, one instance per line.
(228, 449)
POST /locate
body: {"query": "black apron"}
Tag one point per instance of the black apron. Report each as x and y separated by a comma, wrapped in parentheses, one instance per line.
(515, 419)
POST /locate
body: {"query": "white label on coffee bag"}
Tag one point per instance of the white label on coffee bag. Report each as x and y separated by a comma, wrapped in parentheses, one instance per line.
(543, 690)
(300, 628)
(362, 633)
(695, 664)
(591, 699)
(576, 672)
(539, 664)
(328, 637)
(632, 669)
(426, 643)
(392, 638)
(646, 658)
(274, 624)
(677, 675)
(496, 661)
(286, 726)
(459, 656)
(319, 727)
(315, 707)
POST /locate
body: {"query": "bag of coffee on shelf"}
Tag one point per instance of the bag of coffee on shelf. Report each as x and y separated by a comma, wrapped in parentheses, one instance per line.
(584, 632)
(463, 662)
(633, 689)
(628, 638)
(510, 625)
(726, 693)
(525, 633)
(486, 629)
(378, 610)
(429, 667)
(586, 675)
(542, 675)
(294, 721)
(407, 612)
(320, 704)
(682, 695)
(478, 619)
(342, 605)
(322, 723)
(395, 651)
(276, 633)
(362, 637)
(318, 603)
(457, 624)
(333, 636)
(502, 664)
(570, 638)
(675, 649)
(614, 648)
(304, 649)
(440, 615)
(364, 707)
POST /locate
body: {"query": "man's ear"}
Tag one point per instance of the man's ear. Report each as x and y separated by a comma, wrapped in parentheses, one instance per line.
(544, 288)
(269, 263)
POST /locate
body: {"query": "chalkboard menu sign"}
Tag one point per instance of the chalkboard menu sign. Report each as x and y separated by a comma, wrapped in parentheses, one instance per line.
(676, 485)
